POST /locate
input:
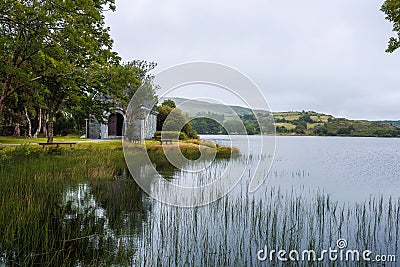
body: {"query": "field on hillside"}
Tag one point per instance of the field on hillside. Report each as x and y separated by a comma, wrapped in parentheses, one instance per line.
(313, 123)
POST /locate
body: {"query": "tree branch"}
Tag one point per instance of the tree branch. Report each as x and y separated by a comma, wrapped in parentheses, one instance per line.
(22, 85)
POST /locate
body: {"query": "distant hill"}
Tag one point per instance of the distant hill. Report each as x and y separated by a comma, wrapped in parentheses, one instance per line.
(197, 107)
(313, 123)
(286, 123)
(394, 123)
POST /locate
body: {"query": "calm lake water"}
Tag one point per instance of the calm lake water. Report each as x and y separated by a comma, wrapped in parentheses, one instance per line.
(347, 168)
(319, 190)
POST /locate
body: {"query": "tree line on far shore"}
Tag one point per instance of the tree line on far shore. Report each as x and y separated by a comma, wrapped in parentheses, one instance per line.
(293, 123)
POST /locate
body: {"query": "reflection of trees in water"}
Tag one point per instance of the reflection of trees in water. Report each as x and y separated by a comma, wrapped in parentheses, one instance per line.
(97, 223)
(120, 198)
(102, 221)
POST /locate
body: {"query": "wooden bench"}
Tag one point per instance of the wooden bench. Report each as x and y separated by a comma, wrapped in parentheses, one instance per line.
(57, 144)
(166, 141)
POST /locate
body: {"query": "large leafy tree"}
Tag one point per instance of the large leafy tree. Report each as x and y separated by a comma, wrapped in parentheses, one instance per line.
(392, 10)
(63, 51)
(24, 31)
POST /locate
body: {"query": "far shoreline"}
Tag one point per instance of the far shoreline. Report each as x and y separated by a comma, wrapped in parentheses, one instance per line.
(294, 135)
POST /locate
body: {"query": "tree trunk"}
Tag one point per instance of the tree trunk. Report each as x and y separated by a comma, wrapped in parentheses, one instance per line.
(29, 123)
(44, 123)
(50, 128)
(17, 130)
(3, 97)
(39, 124)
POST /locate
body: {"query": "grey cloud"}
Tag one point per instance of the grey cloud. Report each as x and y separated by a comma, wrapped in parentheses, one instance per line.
(322, 55)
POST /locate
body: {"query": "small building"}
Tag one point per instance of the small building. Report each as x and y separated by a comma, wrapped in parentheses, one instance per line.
(114, 128)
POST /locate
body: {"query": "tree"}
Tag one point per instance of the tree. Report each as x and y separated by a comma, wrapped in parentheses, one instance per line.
(163, 112)
(173, 119)
(306, 117)
(38, 32)
(63, 52)
(81, 64)
(281, 129)
(344, 131)
(300, 128)
(250, 129)
(392, 10)
(205, 125)
(168, 103)
(321, 130)
(234, 126)
(25, 28)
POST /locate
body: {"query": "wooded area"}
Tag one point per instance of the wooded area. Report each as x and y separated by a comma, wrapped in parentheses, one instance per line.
(57, 67)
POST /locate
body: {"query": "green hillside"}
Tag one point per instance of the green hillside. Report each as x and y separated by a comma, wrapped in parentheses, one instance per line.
(313, 123)
(197, 108)
(286, 123)
(394, 123)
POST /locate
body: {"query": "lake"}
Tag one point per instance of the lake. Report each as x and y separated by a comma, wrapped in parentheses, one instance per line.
(322, 193)
(348, 168)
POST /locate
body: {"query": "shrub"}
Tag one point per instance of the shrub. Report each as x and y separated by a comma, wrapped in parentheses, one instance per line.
(170, 135)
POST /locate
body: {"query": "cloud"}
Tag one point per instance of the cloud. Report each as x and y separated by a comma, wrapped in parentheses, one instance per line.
(303, 54)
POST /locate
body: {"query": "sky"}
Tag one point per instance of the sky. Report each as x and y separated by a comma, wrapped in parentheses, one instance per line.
(325, 56)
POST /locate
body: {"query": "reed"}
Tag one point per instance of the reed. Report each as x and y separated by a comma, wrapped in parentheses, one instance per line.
(80, 207)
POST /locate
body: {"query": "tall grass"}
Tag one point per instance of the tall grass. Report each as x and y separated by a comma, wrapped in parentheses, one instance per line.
(41, 224)
(231, 231)
(80, 207)
(31, 213)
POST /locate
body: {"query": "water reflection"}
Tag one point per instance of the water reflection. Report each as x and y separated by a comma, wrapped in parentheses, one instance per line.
(103, 221)
(114, 223)
(293, 210)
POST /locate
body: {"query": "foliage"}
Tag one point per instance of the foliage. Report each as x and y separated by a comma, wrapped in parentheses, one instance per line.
(57, 56)
(158, 135)
(345, 130)
(321, 130)
(63, 124)
(300, 129)
(322, 124)
(394, 123)
(234, 127)
(173, 119)
(298, 123)
(36, 227)
(306, 118)
(168, 103)
(281, 129)
(205, 125)
(391, 8)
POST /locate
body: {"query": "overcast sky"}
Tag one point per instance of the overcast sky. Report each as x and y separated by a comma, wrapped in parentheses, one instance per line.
(326, 56)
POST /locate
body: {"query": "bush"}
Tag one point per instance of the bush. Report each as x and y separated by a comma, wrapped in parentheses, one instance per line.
(300, 129)
(346, 131)
(227, 152)
(170, 135)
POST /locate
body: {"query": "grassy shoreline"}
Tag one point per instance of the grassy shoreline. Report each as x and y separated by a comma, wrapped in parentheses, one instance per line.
(33, 223)
(188, 147)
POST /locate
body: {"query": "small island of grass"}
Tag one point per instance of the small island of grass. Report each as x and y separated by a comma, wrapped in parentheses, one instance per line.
(192, 148)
